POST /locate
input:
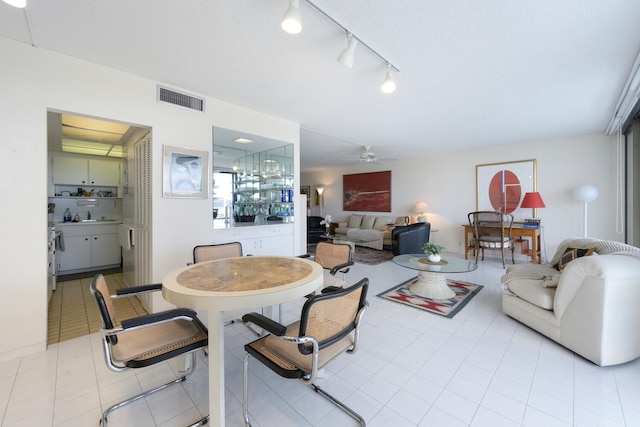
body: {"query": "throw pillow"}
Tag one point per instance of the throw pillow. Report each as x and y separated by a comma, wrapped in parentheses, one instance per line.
(355, 221)
(570, 254)
(368, 221)
(552, 281)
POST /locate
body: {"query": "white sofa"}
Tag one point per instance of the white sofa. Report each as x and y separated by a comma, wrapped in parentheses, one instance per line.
(590, 306)
(372, 231)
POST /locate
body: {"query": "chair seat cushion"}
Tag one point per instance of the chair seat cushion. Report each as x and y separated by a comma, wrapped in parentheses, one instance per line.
(534, 292)
(495, 242)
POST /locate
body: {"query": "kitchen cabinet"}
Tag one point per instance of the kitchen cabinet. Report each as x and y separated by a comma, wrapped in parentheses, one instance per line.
(88, 247)
(259, 240)
(81, 171)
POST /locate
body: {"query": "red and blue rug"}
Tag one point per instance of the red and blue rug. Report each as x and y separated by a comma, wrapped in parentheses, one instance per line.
(447, 308)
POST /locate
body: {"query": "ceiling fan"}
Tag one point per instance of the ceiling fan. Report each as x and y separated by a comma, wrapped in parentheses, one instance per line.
(368, 156)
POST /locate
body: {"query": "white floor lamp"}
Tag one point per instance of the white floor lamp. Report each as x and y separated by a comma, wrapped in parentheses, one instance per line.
(585, 194)
(320, 190)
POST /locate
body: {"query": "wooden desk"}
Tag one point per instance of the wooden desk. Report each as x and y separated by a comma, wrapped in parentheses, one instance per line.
(235, 284)
(521, 235)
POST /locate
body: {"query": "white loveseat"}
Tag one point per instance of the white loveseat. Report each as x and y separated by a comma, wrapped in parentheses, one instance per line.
(590, 306)
(372, 231)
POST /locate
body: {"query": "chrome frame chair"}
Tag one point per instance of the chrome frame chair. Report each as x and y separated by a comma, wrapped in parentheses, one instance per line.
(146, 340)
(492, 230)
(328, 326)
(334, 258)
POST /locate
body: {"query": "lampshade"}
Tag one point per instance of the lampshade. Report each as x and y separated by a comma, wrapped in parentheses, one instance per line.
(532, 200)
(347, 55)
(388, 85)
(585, 193)
(421, 207)
(320, 190)
(16, 3)
(291, 21)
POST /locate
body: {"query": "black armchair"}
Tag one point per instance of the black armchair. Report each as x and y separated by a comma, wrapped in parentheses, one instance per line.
(409, 239)
(314, 229)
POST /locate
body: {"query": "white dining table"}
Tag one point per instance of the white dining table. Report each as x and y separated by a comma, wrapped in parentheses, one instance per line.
(237, 284)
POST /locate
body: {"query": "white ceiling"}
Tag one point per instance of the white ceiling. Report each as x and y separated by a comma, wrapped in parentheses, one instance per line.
(473, 73)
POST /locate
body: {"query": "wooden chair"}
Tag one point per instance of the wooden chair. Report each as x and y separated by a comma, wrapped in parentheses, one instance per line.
(492, 230)
(328, 327)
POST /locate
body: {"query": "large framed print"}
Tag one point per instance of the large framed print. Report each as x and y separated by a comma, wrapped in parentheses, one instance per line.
(369, 192)
(185, 173)
(501, 187)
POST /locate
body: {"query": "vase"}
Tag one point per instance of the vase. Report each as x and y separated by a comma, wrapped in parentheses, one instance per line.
(434, 257)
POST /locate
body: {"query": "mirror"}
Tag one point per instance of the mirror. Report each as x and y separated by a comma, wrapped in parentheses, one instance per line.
(252, 179)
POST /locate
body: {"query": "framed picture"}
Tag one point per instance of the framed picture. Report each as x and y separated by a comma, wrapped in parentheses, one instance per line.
(501, 187)
(306, 189)
(370, 192)
(185, 173)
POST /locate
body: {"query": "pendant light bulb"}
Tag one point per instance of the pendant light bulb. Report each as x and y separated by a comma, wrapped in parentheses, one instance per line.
(291, 21)
(347, 55)
(17, 3)
(388, 85)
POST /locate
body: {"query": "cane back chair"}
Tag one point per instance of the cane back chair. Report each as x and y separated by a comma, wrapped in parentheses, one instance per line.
(335, 258)
(492, 230)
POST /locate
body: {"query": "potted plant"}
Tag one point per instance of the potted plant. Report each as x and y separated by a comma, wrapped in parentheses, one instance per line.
(432, 251)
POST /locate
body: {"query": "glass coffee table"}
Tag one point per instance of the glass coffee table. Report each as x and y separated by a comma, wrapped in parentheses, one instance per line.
(342, 239)
(432, 279)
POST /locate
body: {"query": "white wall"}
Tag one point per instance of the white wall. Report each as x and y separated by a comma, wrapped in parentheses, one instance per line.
(447, 183)
(34, 80)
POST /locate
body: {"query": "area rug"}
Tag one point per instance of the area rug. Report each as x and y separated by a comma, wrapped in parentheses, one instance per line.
(447, 308)
(363, 255)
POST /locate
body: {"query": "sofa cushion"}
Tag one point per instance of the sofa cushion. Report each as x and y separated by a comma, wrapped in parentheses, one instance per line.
(533, 291)
(364, 234)
(368, 221)
(570, 254)
(355, 221)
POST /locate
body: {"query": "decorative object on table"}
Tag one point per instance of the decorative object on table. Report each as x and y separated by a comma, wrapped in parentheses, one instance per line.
(432, 251)
(421, 208)
(501, 186)
(327, 223)
(585, 194)
(464, 292)
(185, 173)
(370, 192)
(534, 201)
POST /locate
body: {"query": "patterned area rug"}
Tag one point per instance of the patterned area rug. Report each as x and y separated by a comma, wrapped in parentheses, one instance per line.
(447, 308)
(363, 255)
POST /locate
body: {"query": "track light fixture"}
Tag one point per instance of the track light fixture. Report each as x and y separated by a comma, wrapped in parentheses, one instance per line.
(388, 85)
(292, 23)
(347, 55)
(16, 3)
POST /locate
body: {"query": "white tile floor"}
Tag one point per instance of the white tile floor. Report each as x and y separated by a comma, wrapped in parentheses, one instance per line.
(480, 368)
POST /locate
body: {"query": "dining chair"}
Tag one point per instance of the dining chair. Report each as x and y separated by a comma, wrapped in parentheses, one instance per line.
(492, 230)
(334, 258)
(328, 327)
(146, 340)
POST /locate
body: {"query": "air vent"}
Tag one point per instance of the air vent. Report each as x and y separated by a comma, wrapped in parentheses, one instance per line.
(168, 96)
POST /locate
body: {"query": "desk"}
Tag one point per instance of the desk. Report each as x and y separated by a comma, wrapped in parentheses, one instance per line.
(236, 284)
(520, 235)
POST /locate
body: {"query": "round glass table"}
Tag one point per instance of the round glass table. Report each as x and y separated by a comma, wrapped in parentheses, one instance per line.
(432, 279)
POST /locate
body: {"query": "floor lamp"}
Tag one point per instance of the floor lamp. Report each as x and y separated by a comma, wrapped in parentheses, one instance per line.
(585, 194)
(320, 190)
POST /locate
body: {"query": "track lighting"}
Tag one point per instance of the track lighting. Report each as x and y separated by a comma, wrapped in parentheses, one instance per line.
(388, 85)
(291, 21)
(347, 55)
(16, 3)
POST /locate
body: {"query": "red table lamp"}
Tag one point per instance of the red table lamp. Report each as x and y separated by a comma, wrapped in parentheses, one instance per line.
(532, 200)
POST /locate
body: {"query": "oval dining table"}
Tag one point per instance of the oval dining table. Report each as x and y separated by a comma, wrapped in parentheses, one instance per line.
(237, 284)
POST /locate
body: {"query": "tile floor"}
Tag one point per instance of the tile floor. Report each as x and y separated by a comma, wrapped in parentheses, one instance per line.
(412, 369)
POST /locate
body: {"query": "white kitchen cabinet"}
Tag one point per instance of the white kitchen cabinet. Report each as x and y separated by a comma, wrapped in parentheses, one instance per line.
(260, 239)
(272, 245)
(88, 247)
(68, 170)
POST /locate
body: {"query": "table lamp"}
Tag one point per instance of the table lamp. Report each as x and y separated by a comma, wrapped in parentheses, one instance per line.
(532, 200)
(420, 208)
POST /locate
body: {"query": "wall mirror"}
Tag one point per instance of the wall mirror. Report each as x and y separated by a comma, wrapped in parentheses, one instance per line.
(252, 179)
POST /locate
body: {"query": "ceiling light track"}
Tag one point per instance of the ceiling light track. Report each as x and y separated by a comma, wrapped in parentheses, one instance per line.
(292, 23)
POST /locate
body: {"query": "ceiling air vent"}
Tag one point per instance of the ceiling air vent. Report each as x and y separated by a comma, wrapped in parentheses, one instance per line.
(168, 96)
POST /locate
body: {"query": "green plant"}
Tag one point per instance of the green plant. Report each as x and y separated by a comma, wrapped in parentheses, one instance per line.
(432, 249)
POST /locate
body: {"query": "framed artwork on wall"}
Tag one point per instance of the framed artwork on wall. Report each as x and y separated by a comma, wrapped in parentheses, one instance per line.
(369, 192)
(501, 187)
(185, 173)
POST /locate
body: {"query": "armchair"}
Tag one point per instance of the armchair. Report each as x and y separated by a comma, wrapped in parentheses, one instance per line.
(146, 340)
(335, 258)
(328, 327)
(409, 239)
(492, 230)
